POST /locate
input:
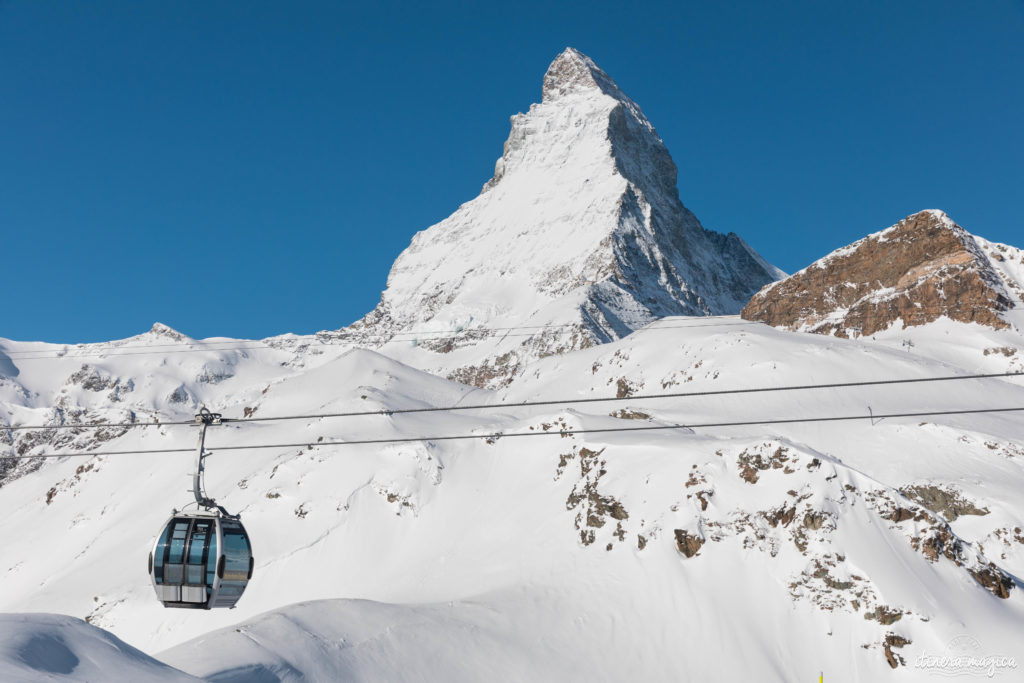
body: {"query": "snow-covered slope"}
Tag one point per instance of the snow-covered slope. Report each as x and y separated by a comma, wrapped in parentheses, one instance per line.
(1008, 262)
(54, 647)
(548, 553)
(579, 235)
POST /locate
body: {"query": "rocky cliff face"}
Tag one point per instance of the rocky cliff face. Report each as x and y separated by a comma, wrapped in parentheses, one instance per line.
(923, 268)
(580, 234)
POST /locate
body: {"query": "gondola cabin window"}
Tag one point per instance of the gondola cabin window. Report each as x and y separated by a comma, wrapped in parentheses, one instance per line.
(236, 554)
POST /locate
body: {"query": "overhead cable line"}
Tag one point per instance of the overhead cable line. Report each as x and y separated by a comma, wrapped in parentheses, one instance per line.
(637, 397)
(526, 404)
(494, 436)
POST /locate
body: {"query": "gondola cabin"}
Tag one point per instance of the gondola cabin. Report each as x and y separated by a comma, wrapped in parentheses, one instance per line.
(201, 560)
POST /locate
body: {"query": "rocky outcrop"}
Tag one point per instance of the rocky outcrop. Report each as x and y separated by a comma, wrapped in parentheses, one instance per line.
(923, 268)
(891, 641)
(946, 501)
(593, 508)
(686, 543)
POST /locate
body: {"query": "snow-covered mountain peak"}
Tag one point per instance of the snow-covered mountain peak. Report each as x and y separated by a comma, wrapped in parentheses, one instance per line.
(585, 124)
(598, 126)
(573, 71)
(166, 332)
(580, 235)
(938, 214)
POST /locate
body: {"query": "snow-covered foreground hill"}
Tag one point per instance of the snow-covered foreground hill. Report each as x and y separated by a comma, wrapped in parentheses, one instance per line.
(767, 552)
(38, 647)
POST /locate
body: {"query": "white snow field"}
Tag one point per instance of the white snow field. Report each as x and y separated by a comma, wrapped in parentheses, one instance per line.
(471, 553)
(647, 539)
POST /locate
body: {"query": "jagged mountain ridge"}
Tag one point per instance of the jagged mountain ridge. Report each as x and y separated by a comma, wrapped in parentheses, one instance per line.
(923, 268)
(580, 235)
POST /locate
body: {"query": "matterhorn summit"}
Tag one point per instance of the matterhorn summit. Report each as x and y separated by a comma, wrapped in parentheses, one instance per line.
(578, 239)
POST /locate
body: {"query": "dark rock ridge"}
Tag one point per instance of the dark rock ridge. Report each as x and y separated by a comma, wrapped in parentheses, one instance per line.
(923, 268)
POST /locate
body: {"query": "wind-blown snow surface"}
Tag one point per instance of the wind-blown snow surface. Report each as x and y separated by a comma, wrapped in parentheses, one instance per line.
(553, 557)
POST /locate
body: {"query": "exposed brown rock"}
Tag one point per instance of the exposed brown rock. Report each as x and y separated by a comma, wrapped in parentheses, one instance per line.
(901, 515)
(686, 543)
(814, 520)
(781, 515)
(592, 507)
(494, 373)
(892, 640)
(626, 414)
(922, 268)
(884, 615)
(624, 388)
(948, 502)
(748, 473)
(994, 580)
(941, 542)
(821, 572)
(90, 379)
(750, 461)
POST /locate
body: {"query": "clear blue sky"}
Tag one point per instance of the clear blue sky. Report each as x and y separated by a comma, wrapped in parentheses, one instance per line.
(251, 168)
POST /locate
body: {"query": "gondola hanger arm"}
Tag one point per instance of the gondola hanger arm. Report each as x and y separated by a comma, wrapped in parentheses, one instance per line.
(204, 419)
